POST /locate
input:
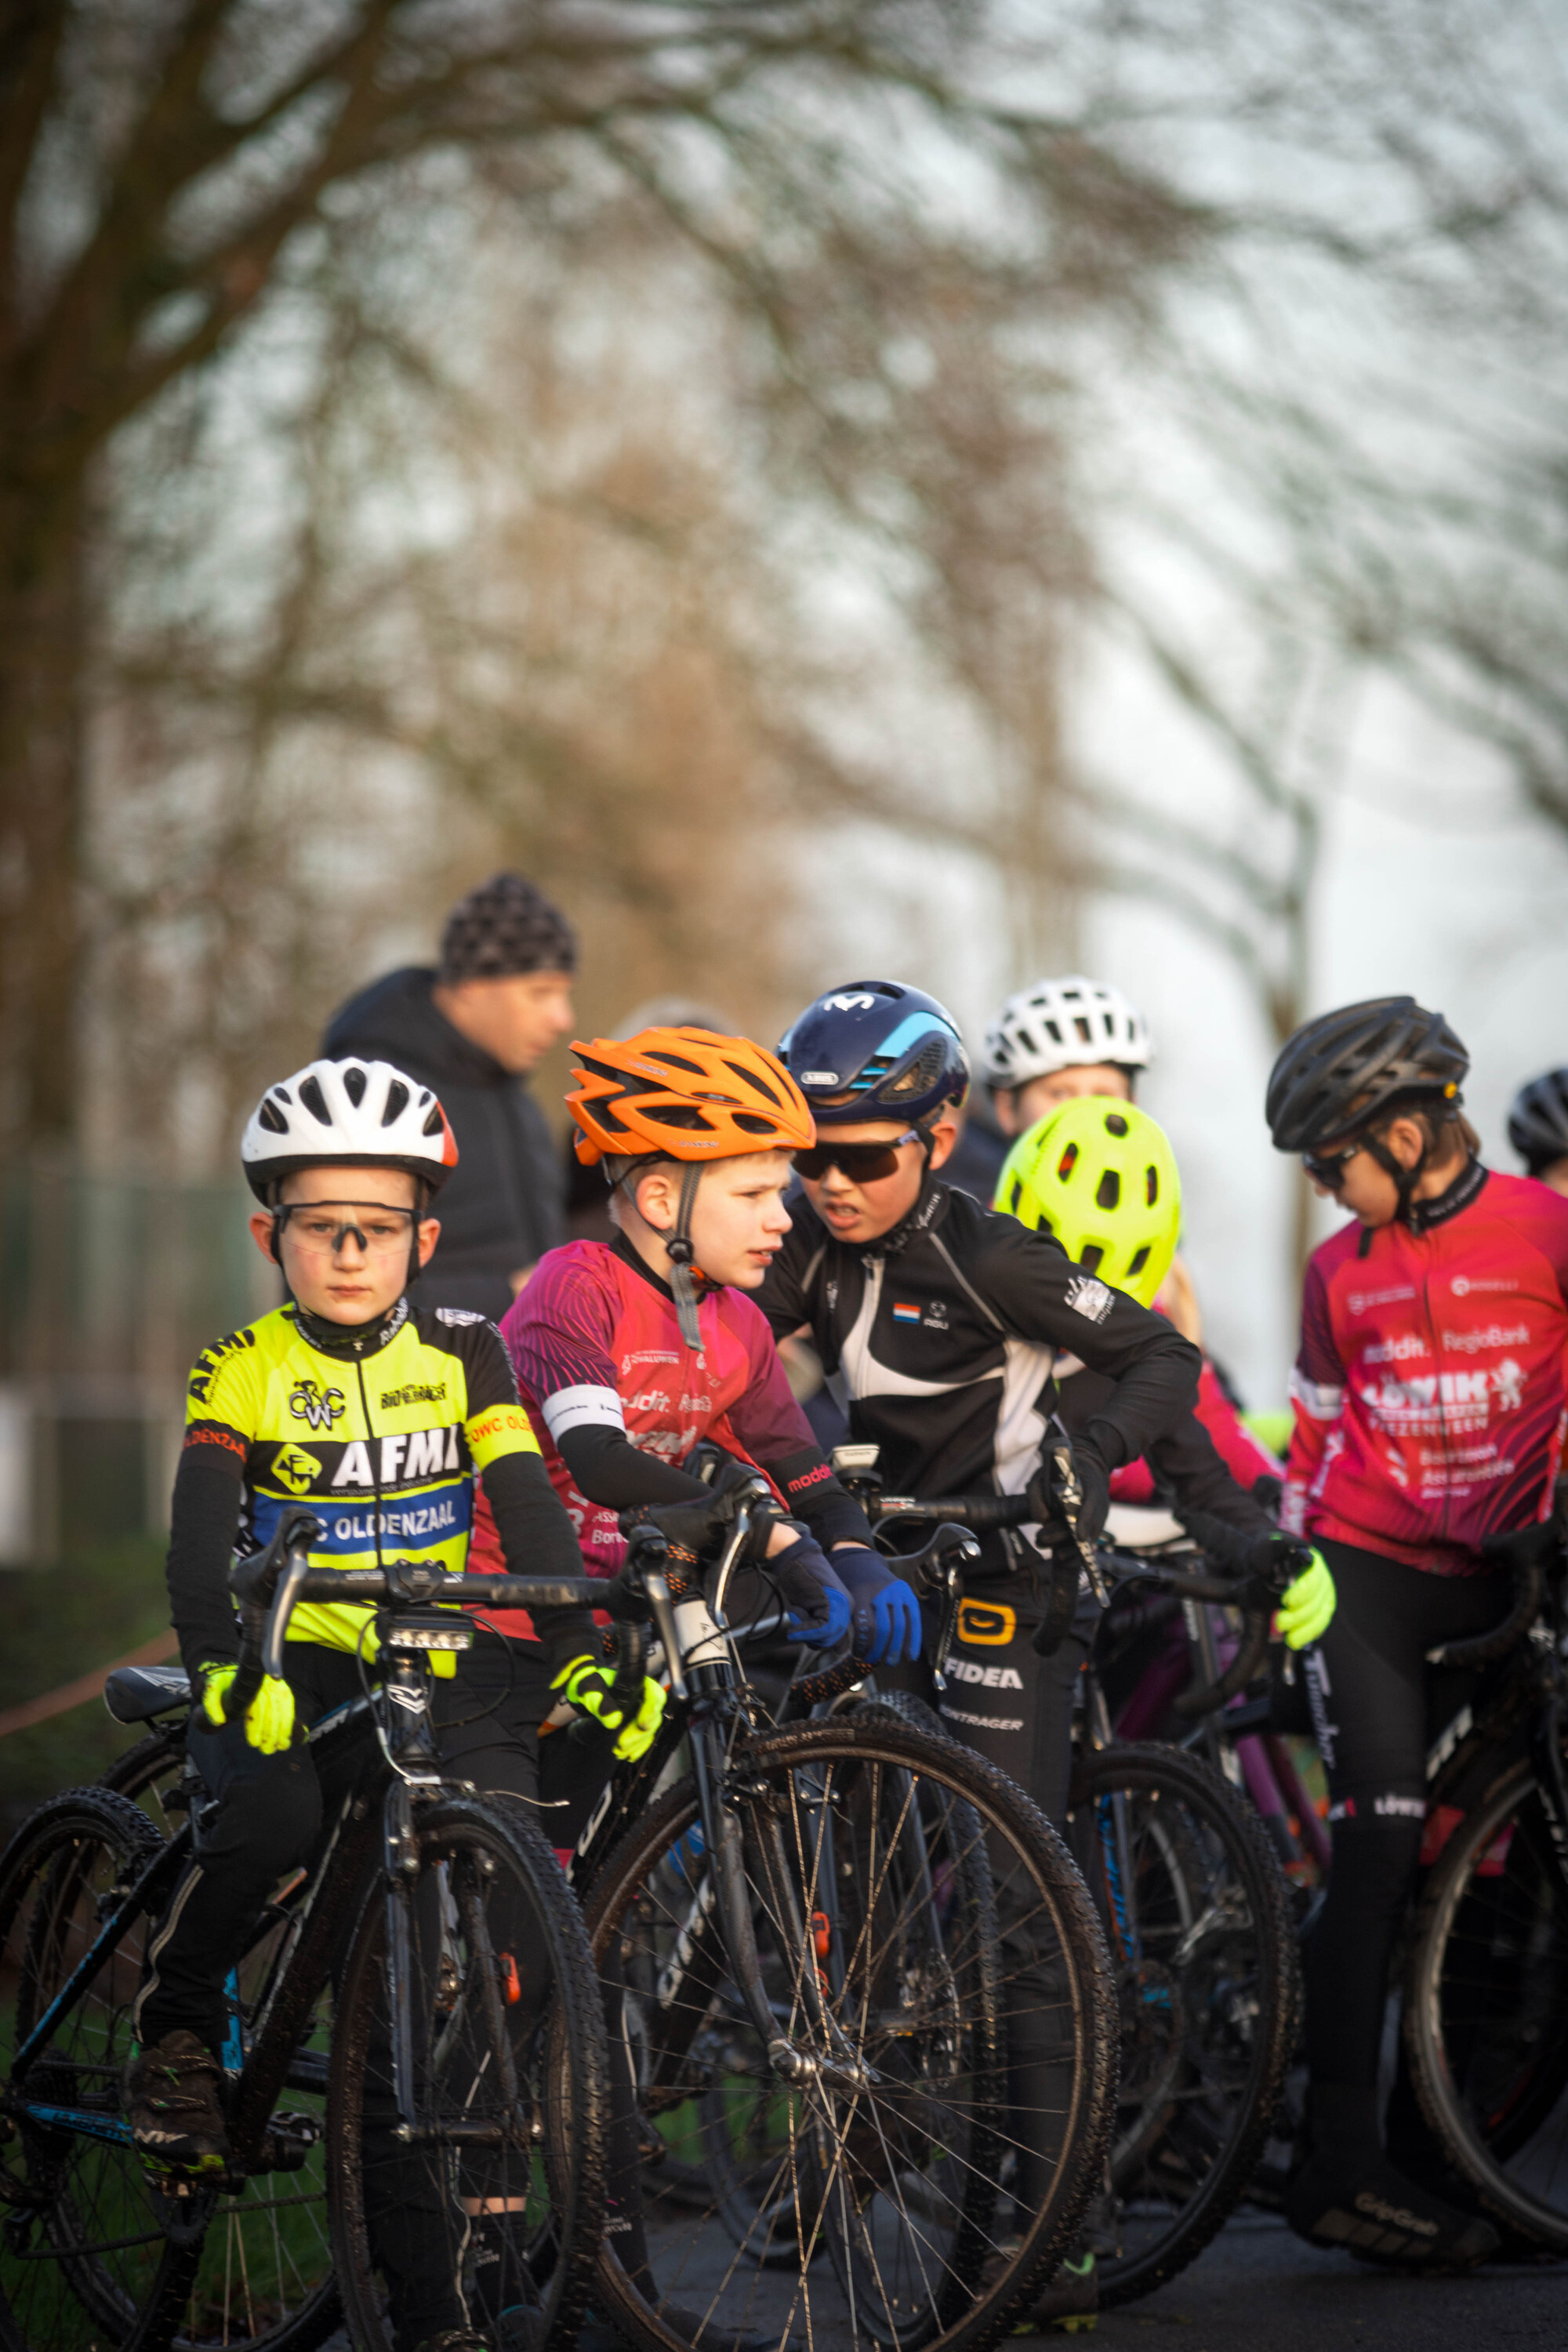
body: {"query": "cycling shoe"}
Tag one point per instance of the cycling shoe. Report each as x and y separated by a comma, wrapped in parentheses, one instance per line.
(1375, 2212)
(1070, 2301)
(173, 2102)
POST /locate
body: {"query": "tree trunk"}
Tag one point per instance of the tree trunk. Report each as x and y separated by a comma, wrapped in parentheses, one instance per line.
(43, 669)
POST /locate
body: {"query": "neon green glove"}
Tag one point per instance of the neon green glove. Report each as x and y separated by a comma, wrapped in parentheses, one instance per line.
(269, 1718)
(1307, 1606)
(591, 1686)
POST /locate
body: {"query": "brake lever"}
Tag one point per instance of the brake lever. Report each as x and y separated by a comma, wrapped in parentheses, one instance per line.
(1064, 1497)
(740, 1534)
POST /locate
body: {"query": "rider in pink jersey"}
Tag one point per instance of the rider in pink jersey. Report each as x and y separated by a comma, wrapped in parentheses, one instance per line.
(628, 1355)
(1429, 1401)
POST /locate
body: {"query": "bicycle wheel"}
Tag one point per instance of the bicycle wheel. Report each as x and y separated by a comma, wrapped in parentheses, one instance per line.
(1486, 2022)
(911, 1911)
(499, 2184)
(88, 2256)
(149, 1773)
(1208, 1989)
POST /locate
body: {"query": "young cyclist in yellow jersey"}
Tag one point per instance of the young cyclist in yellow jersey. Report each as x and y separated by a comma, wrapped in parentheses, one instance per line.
(376, 1415)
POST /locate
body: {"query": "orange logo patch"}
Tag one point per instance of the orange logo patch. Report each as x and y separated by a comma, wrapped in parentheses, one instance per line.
(986, 1623)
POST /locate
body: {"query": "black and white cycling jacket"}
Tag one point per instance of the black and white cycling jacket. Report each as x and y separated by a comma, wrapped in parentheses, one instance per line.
(951, 1334)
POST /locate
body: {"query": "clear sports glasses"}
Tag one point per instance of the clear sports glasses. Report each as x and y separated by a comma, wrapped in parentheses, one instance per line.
(320, 1229)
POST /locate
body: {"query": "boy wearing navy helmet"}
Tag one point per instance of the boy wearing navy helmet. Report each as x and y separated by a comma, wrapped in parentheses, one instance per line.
(944, 1321)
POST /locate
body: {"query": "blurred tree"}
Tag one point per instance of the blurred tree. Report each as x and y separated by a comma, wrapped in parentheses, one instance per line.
(173, 168)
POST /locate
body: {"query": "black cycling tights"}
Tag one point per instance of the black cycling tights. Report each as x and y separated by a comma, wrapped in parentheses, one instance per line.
(1376, 1708)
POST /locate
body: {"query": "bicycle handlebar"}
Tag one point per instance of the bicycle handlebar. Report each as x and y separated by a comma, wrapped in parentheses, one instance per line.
(1121, 1566)
(1528, 1551)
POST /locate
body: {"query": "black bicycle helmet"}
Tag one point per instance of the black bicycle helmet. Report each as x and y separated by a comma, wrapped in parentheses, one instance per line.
(1537, 1121)
(1337, 1072)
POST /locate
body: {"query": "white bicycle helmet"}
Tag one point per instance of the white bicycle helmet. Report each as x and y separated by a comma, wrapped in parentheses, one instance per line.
(1062, 1025)
(352, 1113)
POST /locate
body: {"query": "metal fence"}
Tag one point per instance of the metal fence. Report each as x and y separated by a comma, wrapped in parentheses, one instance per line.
(109, 1287)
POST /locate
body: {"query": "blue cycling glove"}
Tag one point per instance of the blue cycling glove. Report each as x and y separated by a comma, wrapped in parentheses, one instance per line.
(885, 1614)
(817, 1603)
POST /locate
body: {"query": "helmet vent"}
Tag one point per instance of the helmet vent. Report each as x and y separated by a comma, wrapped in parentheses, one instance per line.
(354, 1084)
(1089, 1257)
(750, 1078)
(1140, 1260)
(752, 1123)
(1114, 1123)
(1151, 1184)
(271, 1119)
(1108, 1192)
(434, 1121)
(1085, 1033)
(1067, 1163)
(314, 1101)
(1017, 1195)
(923, 1071)
(678, 1062)
(396, 1103)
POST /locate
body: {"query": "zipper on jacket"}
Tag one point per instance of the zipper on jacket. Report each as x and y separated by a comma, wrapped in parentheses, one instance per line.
(370, 1447)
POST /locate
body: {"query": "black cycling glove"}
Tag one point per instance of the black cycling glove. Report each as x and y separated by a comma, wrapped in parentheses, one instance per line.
(1094, 1483)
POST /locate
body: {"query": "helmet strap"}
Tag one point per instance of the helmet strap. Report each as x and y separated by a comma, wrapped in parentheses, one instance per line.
(1404, 1179)
(677, 1248)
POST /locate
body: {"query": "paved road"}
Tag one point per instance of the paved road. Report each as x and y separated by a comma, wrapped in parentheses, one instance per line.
(1258, 2289)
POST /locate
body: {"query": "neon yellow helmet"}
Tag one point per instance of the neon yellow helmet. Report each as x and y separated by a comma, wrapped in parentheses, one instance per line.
(1100, 1177)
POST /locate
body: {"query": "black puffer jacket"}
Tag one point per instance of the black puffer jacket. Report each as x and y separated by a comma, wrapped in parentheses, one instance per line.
(501, 1209)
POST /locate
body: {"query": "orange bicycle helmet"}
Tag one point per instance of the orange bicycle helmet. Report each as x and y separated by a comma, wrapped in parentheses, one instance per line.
(684, 1094)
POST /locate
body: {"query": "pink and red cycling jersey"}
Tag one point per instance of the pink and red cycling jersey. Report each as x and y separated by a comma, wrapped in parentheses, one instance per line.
(1429, 1389)
(596, 1345)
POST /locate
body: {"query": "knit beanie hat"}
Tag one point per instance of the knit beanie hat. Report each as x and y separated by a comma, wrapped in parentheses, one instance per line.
(505, 926)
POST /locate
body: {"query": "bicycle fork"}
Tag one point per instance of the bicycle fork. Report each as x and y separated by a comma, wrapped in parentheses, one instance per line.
(462, 1907)
(726, 1840)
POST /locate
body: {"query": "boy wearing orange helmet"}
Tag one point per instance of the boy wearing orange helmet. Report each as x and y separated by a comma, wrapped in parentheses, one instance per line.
(629, 1353)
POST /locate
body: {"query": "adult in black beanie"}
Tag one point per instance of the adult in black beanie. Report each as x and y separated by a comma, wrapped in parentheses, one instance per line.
(473, 1028)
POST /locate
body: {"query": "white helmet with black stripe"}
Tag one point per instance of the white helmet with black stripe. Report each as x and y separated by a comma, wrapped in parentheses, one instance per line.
(1063, 1025)
(348, 1113)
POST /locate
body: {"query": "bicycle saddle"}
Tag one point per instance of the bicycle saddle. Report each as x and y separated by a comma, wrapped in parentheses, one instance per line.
(131, 1693)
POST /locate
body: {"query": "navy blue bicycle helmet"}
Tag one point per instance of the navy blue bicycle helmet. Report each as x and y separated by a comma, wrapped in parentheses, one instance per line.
(875, 1049)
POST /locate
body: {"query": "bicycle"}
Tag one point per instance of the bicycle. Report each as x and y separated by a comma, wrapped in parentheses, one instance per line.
(1162, 1661)
(1484, 2020)
(820, 1936)
(460, 2069)
(1196, 1912)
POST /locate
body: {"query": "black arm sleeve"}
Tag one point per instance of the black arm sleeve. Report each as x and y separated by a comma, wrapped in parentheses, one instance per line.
(209, 1490)
(537, 1539)
(1190, 1464)
(1035, 1291)
(614, 1472)
(809, 1487)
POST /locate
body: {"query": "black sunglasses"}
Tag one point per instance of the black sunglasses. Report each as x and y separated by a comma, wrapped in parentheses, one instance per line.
(1328, 1168)
(861, 1163)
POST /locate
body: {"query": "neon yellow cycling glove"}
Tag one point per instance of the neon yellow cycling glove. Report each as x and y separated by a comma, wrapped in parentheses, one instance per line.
(591, 1685)
(1307, 1605)
(269, 1718)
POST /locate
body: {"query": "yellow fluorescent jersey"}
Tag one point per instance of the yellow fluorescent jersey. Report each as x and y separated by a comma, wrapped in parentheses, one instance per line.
(383, 1448)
